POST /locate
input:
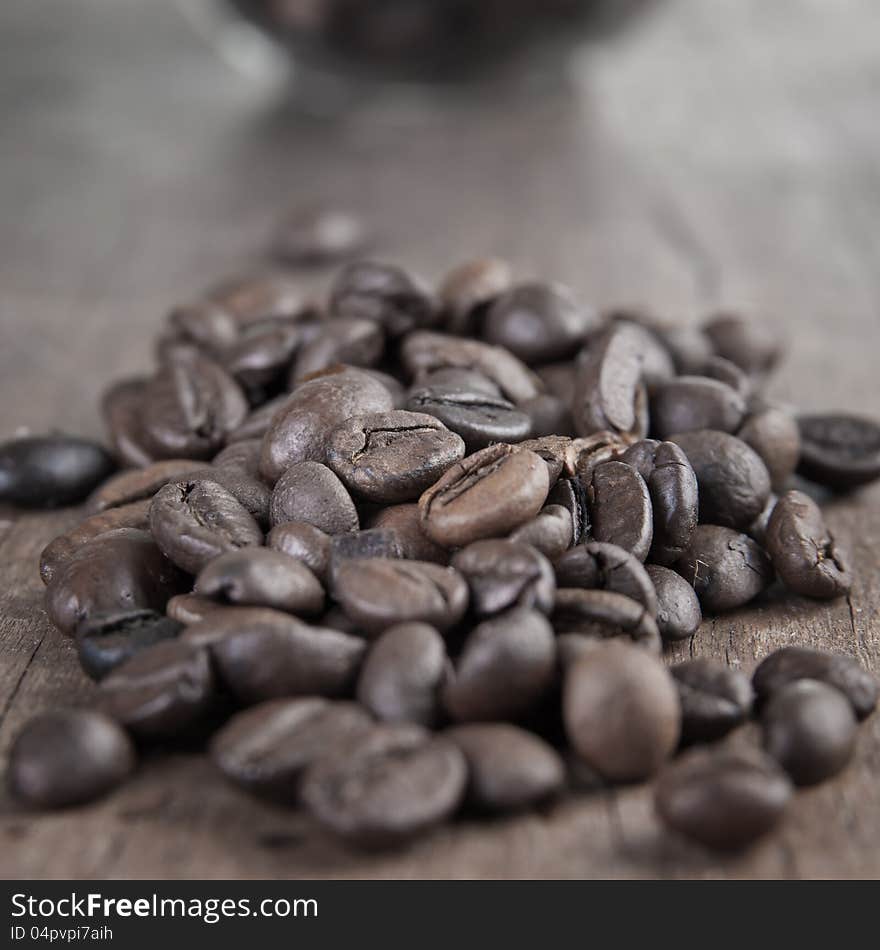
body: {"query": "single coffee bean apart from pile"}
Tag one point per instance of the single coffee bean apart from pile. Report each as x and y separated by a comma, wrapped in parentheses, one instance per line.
(313, 493)
(486, 494)
(119, 570)
(734, 483)
(403, 675)
(121, 409)
(774, 435)
(68, 757)
(392, 457)
(194, 522)
(51, 471)
(266, 749)
(621, 711)
(306, 543)
(695, 402)
(347, 340)
(620, 508)
(751, 345)
(502, 574)
(316, 236)
(603, 614)
(163, 692)
(508, 768)
(104, 641)
(714, 699)
(383, 294)
(550, 532)
(835, 669)
(258, 577)
(725, 568)
(380, 592)
(600, 566)
(838, 451)
(506, 666)
(678, 607)
(810, 729)
(398, 783)
(467, 290)
(724, 799)
(405, 523)
(139, 483)
(805, 554)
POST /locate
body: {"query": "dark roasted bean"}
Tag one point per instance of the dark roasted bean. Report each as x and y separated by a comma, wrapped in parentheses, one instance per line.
(383, 294)
(467, 290)
(348, 340)
(678, 607)
(695, 402)
(549, 532)
(751, 345)
(139, 483)
(601, 566)
(620, 508)
(774, 435)
(306, 543)
(256, 298)
(714, 699)
(105, 640)
(313, 493)
(121, 408)
(839, 451)
(405, 523)
(604, 614)
(503, 574)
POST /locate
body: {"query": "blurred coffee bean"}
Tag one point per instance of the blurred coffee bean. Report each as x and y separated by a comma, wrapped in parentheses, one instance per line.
(774, 435)
(753, 346)
(121, 408)
(695, 402)
(601, 566)
(104, 640)
(305, 542)
(678, 607)
(139, 483)
(604, 614)
(350, 340)
(467, 291)
(714, 699)
(502, 574)
(256, 298)
(318, 236)
(262, 354)
(405, 523)
(383, 294)
(838, 451)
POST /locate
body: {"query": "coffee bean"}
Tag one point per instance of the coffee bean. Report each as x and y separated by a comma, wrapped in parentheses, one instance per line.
(380, 592)
(253, 494)
(620, 508)
(255, 298)
(190, 609)
(557, 453)
(392, 457)
(559, 379)
(241, 456)
(604, 614)
(306, 543)
(657, 364)
(404, 522)
(600, 566)
(688, 346)
(810, 729)
(361, 545)
(757, 530)
(570, 494)
(403, 674)
(121, 410)
(51, 471)
(262, 354)
(384, 294)
(316, 236)
(734, 483)
(722, 798)
(162, 692)
(504, 574)
(257, 424)
(201, 323)
(717, 367)
(506, 666)
(725, 568)
(119, 570)
(794, 663)
(105, 640)
(467, 291)
(549, 532)
(751, 345)
(487, 494)
(139, 483)
(457, 377)
(538, 322)
(349, 340)
(585, 454)
(266, 749)
(621, 711)
(194, 522)
(678, 608)
(805, 554)
(398, 783)
(549, 414)
(508, 768)
(840, 452)
(311, 492)
(68, 757)
(774, 435)
(714, 699)
(300, 427)
(258, 577)
(695, 402)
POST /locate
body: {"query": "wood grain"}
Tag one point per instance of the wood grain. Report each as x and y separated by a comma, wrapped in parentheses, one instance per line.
(723, 153)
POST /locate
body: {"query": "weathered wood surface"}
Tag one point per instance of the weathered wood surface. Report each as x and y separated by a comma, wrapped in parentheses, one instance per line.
(724, 153)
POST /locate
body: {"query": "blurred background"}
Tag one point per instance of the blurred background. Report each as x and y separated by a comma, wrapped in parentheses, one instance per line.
(675, 154)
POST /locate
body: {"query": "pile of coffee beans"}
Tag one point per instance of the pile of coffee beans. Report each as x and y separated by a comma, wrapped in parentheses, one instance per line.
(406, 553)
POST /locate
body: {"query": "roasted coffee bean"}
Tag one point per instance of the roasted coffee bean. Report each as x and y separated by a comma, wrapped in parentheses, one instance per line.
(604, 614)
(194, 522)
(255, 298)
(258, 577)
(68, 757)
(380, 592)
(508, 768)
(734, 483)
(688, 346)
(362, 545)
(263, 654)
(257, 424)
(384, 294)
(313, 493)
(549, 532)
(105, 640)
(306, 543)
(457, 378)
(722, 798)
(405, 523)
(549, 415)
(316, 236)
(505, 668)
(804, 553)
(503, 574)
(253, 494)
(714, 699)
(189, 609)
(599, 566)
(139, 483)
(717, 367)
(678, 607)
(466, 292)
(554, 450)
(569, 493)
(559, 379)
(403, 675)
(349, 340)
(725, 568)
(162, 692)
(242, 456)
(300, 427)
(657, 364)
(810, 729)
(51, 471)
(121, 409)
(266, 749)
(262, 354)
(621, 711)
(695, 402)
(487, 494)
(751, 345)
(478, 418)
(620, 508)
(538, 322)
(393, 456)
(835, 669)
(774, 435)
(397, 783)
(585, 454)
(202, 323)
(119, 570)
(839, 451)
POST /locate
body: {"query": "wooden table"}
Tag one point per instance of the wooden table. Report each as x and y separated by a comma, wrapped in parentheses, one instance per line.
(724, 153)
